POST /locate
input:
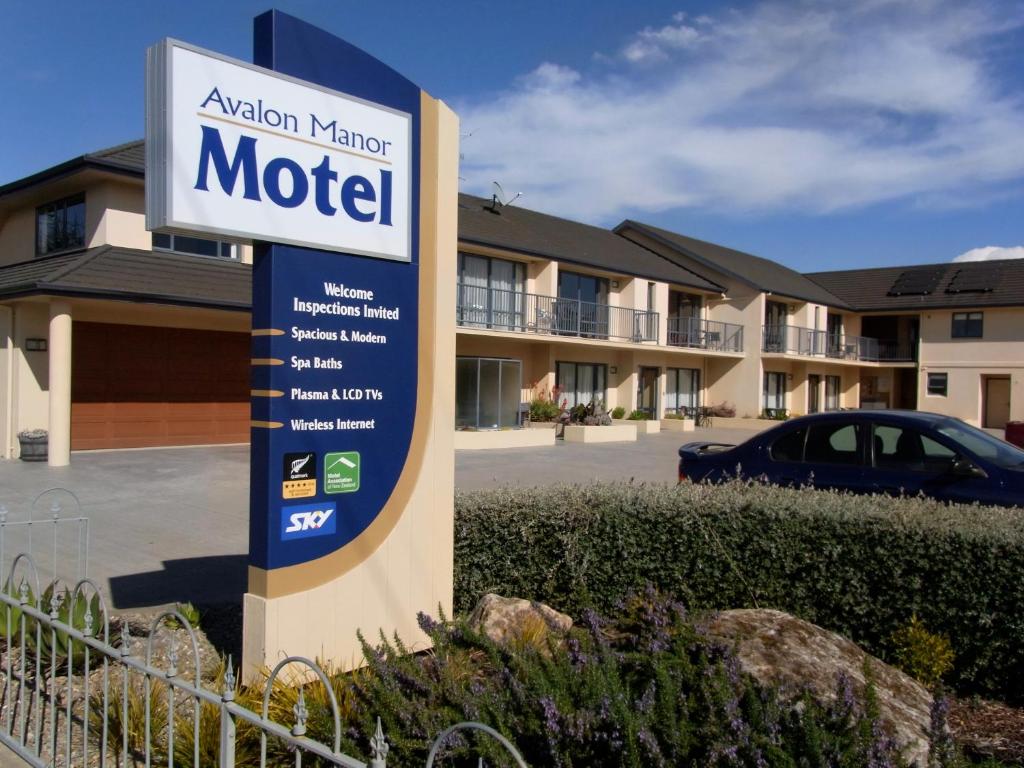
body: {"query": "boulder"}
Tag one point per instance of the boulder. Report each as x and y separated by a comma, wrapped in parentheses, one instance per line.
(782, 650)
(511, 620)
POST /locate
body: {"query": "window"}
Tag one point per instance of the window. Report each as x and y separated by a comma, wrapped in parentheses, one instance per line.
(682, 390)
(60, 226)
(938, 384)
(833, 444)
(581, 383)
(983, 445)
(490, 293)
(487, 392)
(899, 448)
(789, 447)
(774, 390)
(967, 325)
(832, 387)
(196, 246)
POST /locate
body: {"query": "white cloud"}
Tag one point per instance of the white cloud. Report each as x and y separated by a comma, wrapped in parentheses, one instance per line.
(992, 253)
(655, 44)
(809, 107)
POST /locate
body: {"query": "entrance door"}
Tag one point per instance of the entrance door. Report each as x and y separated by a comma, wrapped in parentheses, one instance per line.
(997, 402)
(647, 393)
(813, 393)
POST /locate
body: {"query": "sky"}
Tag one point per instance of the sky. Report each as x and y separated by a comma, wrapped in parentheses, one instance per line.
(825, 135)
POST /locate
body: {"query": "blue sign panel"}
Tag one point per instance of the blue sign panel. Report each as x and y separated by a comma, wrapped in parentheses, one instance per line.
(300, 521)
(335, 339)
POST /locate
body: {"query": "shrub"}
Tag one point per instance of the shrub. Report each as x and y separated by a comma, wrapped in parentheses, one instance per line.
(638, 416)
(855, 565)
(644, 688)
(618, 412)
(724, 410)
(924, 656)
(543, 408)
(674, 415)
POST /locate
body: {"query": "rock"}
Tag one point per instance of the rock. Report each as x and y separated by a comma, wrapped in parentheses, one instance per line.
(508, 620)
(782, 650)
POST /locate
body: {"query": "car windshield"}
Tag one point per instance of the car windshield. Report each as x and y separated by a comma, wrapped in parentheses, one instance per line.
(983, 445)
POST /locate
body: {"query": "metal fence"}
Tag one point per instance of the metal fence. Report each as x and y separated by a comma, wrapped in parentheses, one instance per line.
(794, 340)
(711, 335)
(71, 697)
(479, 307)
(54, 533)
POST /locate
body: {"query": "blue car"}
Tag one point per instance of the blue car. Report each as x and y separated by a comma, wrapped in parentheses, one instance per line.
(893, 452)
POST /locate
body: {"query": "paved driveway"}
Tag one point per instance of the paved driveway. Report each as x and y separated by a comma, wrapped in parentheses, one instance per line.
(171, 525)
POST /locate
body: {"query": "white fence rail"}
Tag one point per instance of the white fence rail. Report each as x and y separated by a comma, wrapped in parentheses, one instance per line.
(70, 697)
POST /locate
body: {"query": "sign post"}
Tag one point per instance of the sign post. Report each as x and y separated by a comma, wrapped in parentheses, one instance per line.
(344, 174)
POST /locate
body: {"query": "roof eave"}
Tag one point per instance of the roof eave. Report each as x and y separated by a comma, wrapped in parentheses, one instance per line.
(68, 168)
(45, 289)
(577, 262)
(629, 223)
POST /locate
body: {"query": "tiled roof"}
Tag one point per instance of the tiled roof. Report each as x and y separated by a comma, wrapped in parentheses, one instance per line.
(761, 273)
(131, 155)
(128, 274)
(871, 289)
(519, 229)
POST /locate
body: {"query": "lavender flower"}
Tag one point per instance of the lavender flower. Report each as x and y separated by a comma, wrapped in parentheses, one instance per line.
(427, 624)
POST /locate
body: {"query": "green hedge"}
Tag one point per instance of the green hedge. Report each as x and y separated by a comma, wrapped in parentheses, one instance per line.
(861, 566)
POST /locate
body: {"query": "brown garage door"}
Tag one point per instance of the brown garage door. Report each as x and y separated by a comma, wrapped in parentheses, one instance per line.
(136, 386)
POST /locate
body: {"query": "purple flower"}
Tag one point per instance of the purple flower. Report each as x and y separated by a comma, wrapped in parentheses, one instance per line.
(427, 624)
(551, 716)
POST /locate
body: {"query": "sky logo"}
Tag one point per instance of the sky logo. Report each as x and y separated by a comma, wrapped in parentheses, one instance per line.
(300, 521)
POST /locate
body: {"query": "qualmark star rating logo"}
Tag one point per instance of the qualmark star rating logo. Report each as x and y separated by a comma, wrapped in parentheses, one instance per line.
(299, 475)
(341, 472)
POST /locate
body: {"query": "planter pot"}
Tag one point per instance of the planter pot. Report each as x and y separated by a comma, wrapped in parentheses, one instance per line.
(543, 424)
(616, 433)
(34, 448)
(736, 422)
(677, 425)
(503, 438)
(648, 427)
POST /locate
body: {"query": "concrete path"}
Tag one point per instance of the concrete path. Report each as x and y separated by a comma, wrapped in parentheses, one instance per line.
(171, 525)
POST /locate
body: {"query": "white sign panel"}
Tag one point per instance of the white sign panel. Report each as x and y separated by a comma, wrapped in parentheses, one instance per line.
(239, 151)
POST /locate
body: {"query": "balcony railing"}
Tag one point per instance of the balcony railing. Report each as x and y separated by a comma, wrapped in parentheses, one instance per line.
(807, 342)
(503, 310)
(705, 334)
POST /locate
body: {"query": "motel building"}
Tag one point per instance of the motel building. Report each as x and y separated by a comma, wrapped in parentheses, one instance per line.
(113, 337)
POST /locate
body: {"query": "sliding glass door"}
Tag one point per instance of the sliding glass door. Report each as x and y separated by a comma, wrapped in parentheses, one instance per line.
(774, 391)
(682, 391)
(581, 383)
(582, 308)
(487, 392)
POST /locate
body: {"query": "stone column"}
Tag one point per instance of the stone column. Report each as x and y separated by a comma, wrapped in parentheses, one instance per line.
(60, 384)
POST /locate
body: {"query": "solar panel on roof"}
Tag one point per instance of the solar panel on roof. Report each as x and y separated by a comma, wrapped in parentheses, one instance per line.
(980, 279)
(917, 282)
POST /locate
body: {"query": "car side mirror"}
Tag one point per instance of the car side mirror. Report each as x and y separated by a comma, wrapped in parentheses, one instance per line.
(965, 468)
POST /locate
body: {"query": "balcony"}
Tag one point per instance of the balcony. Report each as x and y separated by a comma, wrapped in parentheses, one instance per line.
(502, 310)
(695, 333)
(807, 342)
